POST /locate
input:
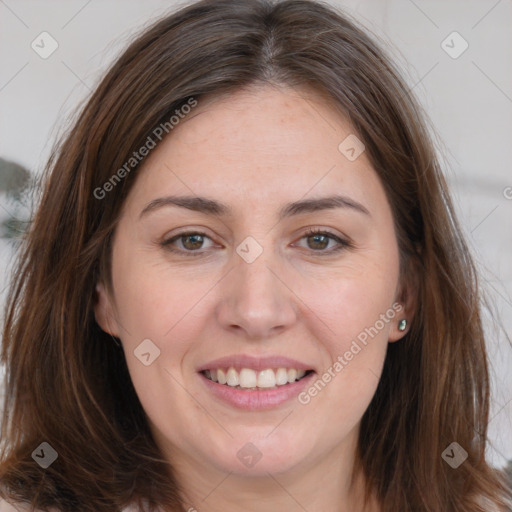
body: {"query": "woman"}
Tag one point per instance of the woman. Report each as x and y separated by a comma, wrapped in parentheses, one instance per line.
(245, 287)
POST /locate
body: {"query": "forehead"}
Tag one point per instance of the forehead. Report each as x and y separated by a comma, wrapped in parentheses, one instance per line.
(263, 123)
(259, 144)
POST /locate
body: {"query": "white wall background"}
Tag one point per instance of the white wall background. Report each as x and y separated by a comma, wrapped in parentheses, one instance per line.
(469, 100)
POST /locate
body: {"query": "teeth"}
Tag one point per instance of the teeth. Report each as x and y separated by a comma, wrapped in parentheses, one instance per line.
(266, 379)
(232, 378)
(221, 376)
(250, 379)
(281, 376)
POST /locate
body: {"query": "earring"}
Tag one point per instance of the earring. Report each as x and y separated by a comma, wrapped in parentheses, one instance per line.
(402, 324)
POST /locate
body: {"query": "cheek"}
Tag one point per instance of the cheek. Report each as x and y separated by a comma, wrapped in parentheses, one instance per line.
(353, 313)
(352, 300)
(161, 304)
(354, 318)
(154, 300)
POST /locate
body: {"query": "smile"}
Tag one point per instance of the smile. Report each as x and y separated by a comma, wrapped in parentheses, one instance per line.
(251, 380)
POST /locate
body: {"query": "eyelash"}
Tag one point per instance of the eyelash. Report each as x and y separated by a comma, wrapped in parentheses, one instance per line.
(342, 244)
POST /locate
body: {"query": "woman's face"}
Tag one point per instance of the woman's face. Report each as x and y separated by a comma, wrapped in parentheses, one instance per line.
(251, 297)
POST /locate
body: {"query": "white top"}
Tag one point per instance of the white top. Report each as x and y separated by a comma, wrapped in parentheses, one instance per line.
(8, 507)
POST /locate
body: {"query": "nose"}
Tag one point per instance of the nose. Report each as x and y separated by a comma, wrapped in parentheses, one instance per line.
(255, 300)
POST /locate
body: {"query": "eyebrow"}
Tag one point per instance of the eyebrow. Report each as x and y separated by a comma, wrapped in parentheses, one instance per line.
(215, 208)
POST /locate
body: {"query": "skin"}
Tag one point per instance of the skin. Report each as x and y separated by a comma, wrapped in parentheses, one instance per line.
(255, 151)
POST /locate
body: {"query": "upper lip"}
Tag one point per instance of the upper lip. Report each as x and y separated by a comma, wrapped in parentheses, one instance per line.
(239, 361)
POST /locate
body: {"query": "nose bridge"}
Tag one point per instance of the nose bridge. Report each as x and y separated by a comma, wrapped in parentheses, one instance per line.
(255, 279)
(254, 298)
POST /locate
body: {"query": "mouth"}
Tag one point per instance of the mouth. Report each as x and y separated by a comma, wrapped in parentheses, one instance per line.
(255, 383)
(247, 379)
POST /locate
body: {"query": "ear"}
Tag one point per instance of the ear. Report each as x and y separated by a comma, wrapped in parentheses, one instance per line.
(104, 311)
(406, 300)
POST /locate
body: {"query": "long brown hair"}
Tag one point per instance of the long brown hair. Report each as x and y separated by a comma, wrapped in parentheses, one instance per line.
(67, 381)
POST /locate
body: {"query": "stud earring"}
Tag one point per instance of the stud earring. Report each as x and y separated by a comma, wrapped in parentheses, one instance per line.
(402, 324)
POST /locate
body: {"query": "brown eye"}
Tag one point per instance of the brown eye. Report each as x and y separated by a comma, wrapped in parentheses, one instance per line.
(192, 242)
(318, 241)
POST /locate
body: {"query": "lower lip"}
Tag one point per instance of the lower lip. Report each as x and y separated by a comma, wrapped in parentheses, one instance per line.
(257, 400)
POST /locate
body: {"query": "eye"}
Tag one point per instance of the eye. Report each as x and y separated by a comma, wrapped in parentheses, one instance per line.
(318, 240)
(191, 242)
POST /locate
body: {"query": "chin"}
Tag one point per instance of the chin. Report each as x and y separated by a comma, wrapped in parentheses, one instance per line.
(258, 454)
